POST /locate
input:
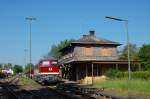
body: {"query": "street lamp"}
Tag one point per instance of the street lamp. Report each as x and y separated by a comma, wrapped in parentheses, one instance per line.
(30, 19)
(25, 58)
(127, 37)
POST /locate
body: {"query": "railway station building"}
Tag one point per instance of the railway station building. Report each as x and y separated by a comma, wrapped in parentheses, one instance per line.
(89, 58)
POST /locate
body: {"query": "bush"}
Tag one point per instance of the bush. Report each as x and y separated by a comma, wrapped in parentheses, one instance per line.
(136, 75)
(112, 73)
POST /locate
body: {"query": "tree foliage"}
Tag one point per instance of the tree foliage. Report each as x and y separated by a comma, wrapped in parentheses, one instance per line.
(55, 49)
(133, 52)
(1, 66)
(144, 55)
(112, 73)
(29, 66)
(17, 69)
(7, 66)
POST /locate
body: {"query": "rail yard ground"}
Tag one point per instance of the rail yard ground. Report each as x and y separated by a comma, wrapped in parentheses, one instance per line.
(122, 88)
(28, 83)
(25, 88)
(105, 89)
(138, 88)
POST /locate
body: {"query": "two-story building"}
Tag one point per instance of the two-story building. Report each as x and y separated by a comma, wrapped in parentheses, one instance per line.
(89, 57)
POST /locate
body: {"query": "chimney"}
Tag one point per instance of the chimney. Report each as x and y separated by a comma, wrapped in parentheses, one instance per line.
(84, 36)
(92, 33)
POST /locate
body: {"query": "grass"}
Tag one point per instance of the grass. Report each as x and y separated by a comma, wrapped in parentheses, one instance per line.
(27, 82)
(133, 87)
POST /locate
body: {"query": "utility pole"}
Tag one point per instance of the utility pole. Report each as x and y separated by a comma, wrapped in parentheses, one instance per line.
(25, 57)
(127, 40)
(30, 19)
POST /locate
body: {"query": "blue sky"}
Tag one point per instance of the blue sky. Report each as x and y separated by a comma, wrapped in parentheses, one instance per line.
(65, 19)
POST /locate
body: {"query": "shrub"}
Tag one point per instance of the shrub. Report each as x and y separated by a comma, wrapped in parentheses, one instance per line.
(136, 75)
(112, 73)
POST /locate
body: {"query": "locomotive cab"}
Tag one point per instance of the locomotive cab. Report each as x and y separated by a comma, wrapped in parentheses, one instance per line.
(48, 71)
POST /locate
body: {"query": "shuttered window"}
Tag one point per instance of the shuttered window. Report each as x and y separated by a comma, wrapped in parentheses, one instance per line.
(88, 51)
(106, 51)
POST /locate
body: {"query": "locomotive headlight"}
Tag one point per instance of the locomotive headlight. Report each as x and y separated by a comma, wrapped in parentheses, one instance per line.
(50, 69)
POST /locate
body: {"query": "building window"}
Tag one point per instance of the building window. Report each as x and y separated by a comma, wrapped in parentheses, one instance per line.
(88, 51)
(106, 51)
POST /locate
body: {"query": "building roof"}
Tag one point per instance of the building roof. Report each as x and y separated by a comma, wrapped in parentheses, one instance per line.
(92, 39)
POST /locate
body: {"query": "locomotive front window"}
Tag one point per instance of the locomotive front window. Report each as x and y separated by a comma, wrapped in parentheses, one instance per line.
(45, 63)
(53, 63)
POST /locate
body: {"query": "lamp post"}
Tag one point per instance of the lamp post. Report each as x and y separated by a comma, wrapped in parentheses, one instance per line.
(30, 19)
(127, 38)
(25, 58)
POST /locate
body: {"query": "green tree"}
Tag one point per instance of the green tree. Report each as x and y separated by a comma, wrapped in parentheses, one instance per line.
(29, 66)
(144, 55)
(55, 52)
(55, 49)
(8, 66)
(133, 52)
(17, 69)
(1, 66)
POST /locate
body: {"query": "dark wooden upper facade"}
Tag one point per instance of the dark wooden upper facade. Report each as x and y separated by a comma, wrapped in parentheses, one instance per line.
(90, 48)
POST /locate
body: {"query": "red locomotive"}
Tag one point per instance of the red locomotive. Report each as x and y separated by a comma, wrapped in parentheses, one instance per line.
(47, 71)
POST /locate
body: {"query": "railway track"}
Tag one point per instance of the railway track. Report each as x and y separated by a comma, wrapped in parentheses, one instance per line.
(48, 93)
(22, 94)
(84, 92)
(6, 94)
(12, 91)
